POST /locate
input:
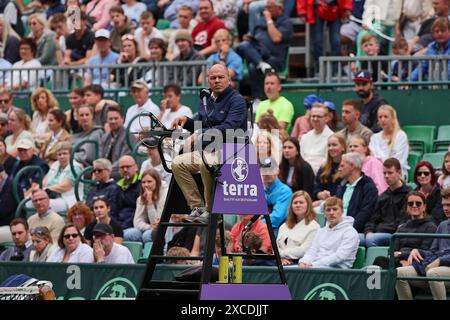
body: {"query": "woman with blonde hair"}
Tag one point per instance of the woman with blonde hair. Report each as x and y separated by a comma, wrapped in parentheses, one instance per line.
(295, 236)
(42, 101)
(19, 123)
(328, 178)
(372, 165)
(268, 145)
(391, 141)
(41, 34)
(9, 39)
(43, 245)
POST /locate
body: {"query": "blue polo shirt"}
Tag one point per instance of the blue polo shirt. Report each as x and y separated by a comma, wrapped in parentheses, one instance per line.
(101, 75)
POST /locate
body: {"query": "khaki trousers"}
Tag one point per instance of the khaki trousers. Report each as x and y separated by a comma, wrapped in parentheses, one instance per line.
(438, 288)
(187, 164)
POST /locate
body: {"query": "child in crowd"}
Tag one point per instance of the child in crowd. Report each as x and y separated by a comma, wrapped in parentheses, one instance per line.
(399, 68)
(252, 243)
(371, 48)
(444, 178)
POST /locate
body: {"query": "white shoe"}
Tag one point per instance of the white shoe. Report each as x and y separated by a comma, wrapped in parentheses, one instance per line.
(264, 66)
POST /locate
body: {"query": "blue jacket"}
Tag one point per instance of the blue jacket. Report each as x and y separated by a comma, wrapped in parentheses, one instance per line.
(110, 190)
(229, 111)
(278, 197)
(441, 247)
(362, 203)
(432, 50)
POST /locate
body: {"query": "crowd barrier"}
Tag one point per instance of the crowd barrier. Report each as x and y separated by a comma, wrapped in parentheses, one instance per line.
(97, 282)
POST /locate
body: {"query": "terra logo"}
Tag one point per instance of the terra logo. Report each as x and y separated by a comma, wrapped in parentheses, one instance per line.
(239, 169)
(117, 288)
(327, 291)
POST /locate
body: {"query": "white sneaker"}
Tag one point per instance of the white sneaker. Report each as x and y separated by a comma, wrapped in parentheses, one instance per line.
(264, 66)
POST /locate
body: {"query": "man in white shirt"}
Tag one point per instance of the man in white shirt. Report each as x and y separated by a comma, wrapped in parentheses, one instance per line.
(314, 144)
(146, 32)
(140, 94)
(106, 250)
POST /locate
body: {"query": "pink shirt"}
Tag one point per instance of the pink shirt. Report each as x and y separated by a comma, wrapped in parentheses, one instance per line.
(100, 13)
(258, 227)
(301, 126)
(373, 168)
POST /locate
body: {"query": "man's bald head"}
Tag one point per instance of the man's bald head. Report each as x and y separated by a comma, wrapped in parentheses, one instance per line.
(218, 78)
(127, 167)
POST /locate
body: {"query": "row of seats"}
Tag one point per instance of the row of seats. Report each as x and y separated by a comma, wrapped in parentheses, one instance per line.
(435, 158)
(366, 257)
(423, 139)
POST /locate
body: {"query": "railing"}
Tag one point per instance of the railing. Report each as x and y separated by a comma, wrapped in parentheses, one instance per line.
(112, 76)
(415, 235)
(337, 69)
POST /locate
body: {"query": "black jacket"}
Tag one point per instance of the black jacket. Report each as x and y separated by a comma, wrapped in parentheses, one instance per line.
(406, 245)
(362, 202)
(434, 205)
(7, 203)
(110, 190)
(331, 186)
(369, 113)
(389, 211)
(304, 179)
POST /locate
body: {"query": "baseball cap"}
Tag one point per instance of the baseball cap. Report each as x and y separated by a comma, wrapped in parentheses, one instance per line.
(310, 100)
(102, 228)
(25, 144)
(363, 75)
(139, 84)
(184, 35)
(102, 33)
(330, 105)
(3, 117)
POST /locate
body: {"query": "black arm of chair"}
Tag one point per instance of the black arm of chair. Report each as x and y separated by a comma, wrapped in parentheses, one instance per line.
(19, 175)
(75, 149)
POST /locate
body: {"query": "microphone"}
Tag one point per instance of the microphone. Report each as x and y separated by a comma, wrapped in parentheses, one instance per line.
(204, 95)
(251, 223)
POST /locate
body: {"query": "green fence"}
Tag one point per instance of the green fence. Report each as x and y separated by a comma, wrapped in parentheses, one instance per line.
(91, 281)
(414, 106)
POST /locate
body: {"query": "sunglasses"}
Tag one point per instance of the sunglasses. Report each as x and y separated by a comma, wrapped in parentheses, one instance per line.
(4, 101)
(423, 173)
(38, 231)
(71, 235)
(415, 203)
(98, 170)
(127, 37)
(101, 197)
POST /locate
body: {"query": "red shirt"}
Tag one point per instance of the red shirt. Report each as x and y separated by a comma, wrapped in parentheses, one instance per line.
(259, 228)
(203, 32)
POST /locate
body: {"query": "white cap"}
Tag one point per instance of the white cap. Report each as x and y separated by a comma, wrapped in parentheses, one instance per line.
(102, 33)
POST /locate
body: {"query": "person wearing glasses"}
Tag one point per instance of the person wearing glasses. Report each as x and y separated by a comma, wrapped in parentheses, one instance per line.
(121, 25)
(106, 249)
(102, 212)
(72, 247)
(43, 245)
(6, 101)
(104, 185)
(20, 233)
(426, 181)
(44, 216)
(129, 54)
(313, 146)
(128, 194)
(431, 263)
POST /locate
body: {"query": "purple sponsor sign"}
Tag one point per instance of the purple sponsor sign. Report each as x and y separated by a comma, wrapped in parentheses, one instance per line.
(240, 190)
(248, 291)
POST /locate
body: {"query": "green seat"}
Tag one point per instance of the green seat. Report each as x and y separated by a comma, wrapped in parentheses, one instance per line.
(162, 24)
(360, 258)
(135, 249)
(442, 141)
(420, 137)
(7, 244)
(320, 217)
(436, 159)
(413, 159)
(146, 252)
(374, 252)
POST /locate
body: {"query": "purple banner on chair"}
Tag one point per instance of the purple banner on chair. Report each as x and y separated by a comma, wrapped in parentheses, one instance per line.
(240, 189)
(249, 291)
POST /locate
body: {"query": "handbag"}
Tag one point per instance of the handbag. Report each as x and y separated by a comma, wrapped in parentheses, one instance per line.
(327, 12)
